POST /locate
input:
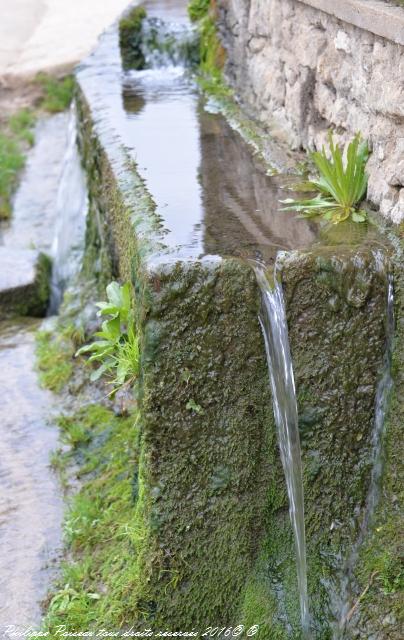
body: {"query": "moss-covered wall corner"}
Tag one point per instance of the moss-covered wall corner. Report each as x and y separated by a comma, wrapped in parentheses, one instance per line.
(338, 346)
(30, 299)
(379, 610)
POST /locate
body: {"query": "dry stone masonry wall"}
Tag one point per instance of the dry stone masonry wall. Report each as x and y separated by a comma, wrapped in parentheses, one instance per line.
(302, 70)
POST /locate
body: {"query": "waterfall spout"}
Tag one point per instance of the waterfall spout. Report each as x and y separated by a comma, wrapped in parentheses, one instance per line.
(71, 209)
(275, 330)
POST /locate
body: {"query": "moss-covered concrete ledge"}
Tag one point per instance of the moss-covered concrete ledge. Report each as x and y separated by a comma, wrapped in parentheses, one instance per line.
(213, 539)
(24, 283)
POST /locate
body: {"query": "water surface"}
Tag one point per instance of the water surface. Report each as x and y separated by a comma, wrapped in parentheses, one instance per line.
(212, 195)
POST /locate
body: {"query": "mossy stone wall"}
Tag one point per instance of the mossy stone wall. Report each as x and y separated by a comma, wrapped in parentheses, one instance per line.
(215, 545)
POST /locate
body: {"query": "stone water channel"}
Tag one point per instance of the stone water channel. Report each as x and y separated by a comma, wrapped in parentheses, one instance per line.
(48, 217)
(214, 203)
(200, 201)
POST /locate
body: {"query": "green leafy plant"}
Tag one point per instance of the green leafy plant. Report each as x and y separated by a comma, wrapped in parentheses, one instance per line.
(116, 349)
(339, 188)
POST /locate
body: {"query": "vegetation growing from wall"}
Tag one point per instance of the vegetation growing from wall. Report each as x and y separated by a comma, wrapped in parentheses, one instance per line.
(212, 55)
(130, 38)
(339, 188)
(116, 349)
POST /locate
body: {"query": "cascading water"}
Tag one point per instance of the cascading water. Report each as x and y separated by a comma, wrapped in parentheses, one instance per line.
(275, 330)
(71, 210)
(167, 44)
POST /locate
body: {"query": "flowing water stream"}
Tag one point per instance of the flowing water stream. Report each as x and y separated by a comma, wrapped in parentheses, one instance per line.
(275, 331)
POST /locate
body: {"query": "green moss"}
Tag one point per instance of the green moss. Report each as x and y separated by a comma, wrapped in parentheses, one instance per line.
(211, 52)
(130, 38)
(32, 298)
(380, 569)
(98, 582)
(55, 352)
(57, 92)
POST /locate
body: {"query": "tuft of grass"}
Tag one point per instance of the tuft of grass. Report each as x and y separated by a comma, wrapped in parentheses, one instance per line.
(21, 124)
(12, 160)
(55, 352)
(339, 188)
(57, 93)
(197, 9)
(97, 584)
(15, 134)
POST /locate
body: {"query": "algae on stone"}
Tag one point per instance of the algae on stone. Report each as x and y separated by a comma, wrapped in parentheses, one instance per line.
(24, 283)
(130, 38)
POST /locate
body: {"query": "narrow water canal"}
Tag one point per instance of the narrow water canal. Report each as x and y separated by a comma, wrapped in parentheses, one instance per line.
(31, 504)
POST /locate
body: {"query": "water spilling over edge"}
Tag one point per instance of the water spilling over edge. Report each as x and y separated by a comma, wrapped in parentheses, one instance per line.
(275, 330)
(71, 214)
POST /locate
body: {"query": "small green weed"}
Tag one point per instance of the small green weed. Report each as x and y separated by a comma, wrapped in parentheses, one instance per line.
(197, 9)
(339, 189)
(116, 349)
(55, 351)
(194, 406)
(57, 93)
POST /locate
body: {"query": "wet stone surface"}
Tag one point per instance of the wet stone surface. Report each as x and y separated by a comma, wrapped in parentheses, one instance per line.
(30, 500)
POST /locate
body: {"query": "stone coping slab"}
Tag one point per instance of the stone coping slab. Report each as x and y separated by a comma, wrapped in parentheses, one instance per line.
(382, 19)
(24, 282)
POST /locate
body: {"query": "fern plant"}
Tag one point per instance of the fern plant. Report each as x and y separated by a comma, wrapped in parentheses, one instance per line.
(116, 348)
(339, 188)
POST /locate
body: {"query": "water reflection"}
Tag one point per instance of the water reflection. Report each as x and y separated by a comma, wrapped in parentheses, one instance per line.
(241, 203)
